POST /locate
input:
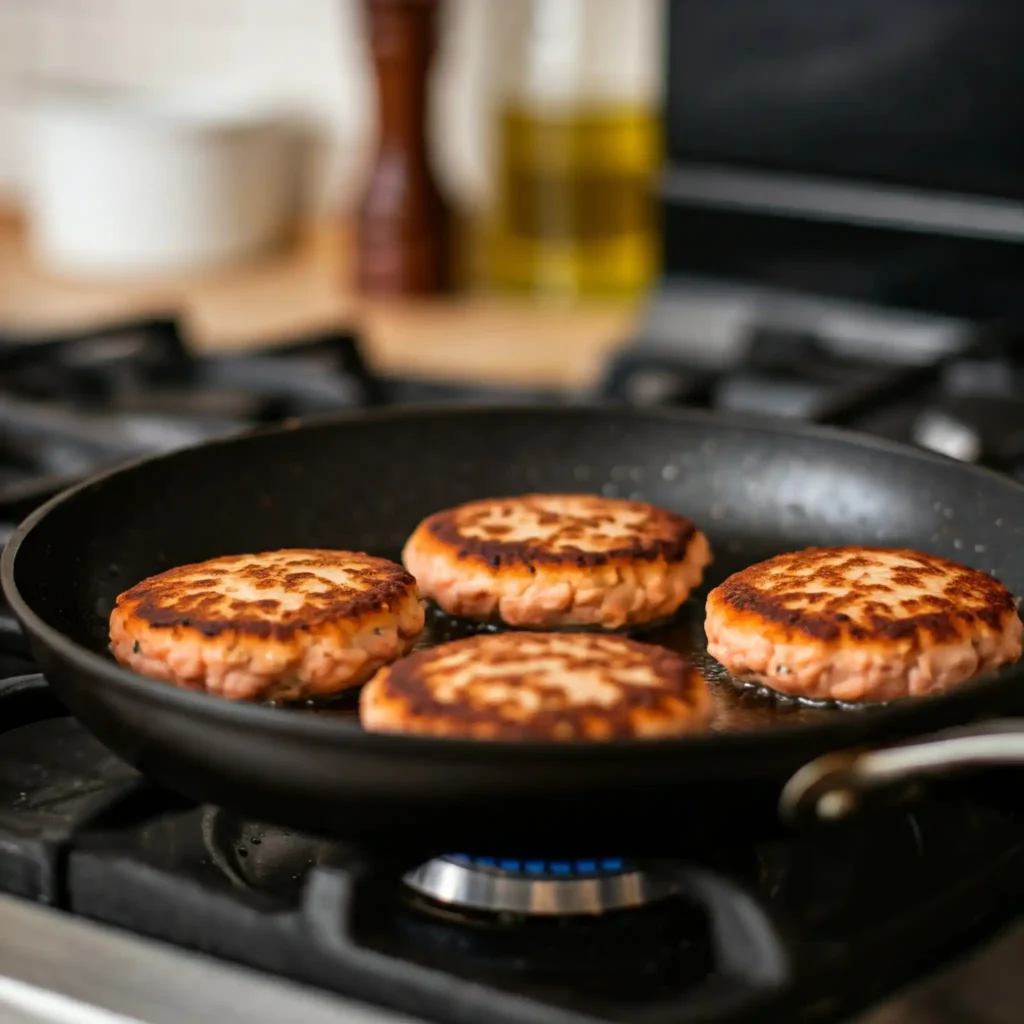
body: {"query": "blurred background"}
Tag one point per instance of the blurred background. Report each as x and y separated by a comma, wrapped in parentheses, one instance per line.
(221, 213)
(218, 214)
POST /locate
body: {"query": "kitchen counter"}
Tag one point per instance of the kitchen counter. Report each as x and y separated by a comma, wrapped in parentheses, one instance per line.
(490, 339)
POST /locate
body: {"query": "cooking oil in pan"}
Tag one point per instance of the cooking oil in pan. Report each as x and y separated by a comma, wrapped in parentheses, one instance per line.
(737, 705)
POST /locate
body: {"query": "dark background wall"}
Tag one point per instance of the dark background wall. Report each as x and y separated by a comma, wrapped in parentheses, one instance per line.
(919, 94)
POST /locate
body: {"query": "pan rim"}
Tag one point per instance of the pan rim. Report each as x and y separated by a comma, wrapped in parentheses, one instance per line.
(262, 718)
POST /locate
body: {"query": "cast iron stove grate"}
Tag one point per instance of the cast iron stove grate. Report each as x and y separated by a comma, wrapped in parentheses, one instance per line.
(75, 403)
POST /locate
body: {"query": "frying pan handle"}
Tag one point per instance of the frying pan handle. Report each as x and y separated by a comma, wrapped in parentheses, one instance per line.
(836, 785)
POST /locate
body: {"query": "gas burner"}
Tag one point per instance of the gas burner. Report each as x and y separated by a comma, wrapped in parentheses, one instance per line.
(543, 887)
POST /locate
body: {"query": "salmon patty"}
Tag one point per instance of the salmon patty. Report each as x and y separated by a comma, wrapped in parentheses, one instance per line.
(546, 561)
(274, 626)
(538, 686)
(861, 624)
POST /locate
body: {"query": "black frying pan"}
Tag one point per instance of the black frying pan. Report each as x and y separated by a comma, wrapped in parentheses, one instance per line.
(363, 482)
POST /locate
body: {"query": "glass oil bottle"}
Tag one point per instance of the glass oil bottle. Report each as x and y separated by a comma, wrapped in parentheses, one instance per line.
(578, 144)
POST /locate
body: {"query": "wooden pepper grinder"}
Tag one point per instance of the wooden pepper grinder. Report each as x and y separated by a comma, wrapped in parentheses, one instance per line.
(404, 224)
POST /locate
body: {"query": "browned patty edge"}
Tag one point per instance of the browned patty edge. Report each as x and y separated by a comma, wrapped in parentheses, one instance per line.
(403, 683)
(757, 591)
(445, 527)
(171, 599)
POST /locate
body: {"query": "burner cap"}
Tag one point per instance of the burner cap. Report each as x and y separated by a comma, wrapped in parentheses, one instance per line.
(542, 887)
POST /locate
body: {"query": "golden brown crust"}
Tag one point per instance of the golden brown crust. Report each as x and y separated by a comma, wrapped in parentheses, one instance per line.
(278, 625)
(550, 561)
(270, 595)
(578, 530)
(538, 686)
(865, 596)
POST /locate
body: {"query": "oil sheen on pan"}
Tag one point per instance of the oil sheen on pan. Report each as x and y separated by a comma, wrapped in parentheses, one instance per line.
(735, 705)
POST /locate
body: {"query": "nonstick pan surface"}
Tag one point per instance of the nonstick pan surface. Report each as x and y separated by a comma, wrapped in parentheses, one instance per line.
(364, 482)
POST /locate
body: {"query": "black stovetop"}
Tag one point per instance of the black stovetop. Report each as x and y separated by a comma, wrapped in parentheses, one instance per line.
(809, 927)
(805, 928)
(74, 403)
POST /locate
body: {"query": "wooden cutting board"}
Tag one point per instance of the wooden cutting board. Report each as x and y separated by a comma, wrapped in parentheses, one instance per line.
(482, 338)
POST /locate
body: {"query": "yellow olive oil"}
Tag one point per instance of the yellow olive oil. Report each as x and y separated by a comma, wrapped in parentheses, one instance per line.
(574, 210)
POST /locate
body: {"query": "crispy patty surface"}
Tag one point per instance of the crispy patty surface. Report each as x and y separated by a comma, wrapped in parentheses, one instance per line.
(538, 686)
(548, 561)
(861, 623)
(277, 625)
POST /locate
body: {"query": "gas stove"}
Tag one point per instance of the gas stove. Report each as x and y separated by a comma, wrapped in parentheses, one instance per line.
(952, 386)
(73, 404)
(79, 402)
(809, 928)
(818, 926)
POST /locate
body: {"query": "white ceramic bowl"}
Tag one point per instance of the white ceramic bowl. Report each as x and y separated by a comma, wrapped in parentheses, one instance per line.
(136, 184)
